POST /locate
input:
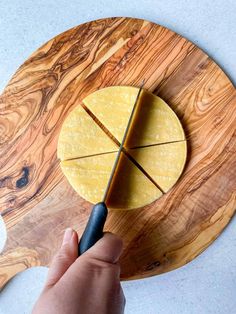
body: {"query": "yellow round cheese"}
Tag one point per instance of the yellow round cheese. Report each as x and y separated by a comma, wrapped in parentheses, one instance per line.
(155, 151)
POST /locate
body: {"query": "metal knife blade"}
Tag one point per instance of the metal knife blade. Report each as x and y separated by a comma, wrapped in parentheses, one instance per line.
(122, 144)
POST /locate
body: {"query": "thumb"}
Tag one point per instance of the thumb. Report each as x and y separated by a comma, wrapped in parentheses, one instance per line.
(65, 257)
(107, 249)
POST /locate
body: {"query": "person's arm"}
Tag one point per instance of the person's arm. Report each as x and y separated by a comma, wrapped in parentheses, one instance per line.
(84, 285)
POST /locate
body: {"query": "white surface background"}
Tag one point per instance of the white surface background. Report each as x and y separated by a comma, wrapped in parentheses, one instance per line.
(206, 285)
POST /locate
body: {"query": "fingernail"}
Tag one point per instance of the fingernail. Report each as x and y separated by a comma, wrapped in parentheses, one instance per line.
(67, 236)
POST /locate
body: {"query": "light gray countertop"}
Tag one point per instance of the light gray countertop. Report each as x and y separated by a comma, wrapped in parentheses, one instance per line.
(207, 284)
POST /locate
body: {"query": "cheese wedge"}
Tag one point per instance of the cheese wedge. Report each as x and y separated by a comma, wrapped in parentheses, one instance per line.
(155, 122)
(80, 136)
(130, 189)
(164, 163)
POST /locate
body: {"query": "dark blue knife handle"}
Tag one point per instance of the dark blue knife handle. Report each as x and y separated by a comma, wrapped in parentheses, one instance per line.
(94, 228)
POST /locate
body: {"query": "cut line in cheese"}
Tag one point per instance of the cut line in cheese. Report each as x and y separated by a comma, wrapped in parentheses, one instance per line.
(164, 163)
(80, 136)
(155, 122)
(89, 177)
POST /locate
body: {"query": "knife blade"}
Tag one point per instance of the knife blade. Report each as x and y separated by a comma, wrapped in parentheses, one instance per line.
(94, 228)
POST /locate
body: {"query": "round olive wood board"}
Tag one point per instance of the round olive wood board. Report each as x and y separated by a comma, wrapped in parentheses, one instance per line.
(37, 202)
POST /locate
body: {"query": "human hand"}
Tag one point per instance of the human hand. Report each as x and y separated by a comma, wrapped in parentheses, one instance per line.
(86, 284)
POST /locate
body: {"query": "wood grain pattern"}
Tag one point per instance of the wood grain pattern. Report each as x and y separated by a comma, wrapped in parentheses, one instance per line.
(36, 201)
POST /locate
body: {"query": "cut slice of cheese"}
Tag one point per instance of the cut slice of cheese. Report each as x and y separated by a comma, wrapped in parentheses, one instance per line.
(113, 106)
(80, 136)
(130, 189)
(164, 163)
(155, 122)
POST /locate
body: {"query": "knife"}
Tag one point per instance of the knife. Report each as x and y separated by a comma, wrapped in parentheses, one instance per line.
(94, 228)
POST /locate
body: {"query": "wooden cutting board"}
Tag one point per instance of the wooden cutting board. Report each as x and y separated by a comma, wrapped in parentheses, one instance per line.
(37, 203)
